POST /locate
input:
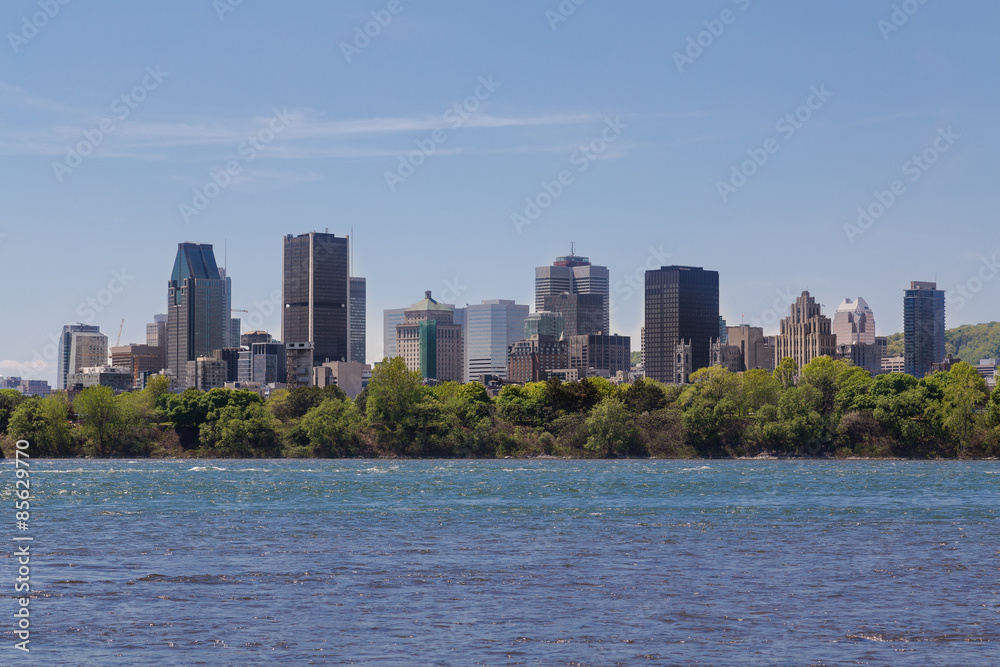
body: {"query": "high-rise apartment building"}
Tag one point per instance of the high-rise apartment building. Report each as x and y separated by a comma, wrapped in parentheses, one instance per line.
(806, 333)
(575, 275)
(923, 327)
(681, 309)
(357, 312)
(583, 314)
(80, 346)
(197, 323)
(314, 279)
(490, 328)
(431, 342)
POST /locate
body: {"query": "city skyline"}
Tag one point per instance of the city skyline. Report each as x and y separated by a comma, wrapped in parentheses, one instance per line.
(841, 176)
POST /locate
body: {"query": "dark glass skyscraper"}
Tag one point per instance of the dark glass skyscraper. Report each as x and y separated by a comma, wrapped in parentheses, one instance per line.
(357, 311)
(682, 305)
(584, 313)
(314, 279)
(923, 327)
(196, 319)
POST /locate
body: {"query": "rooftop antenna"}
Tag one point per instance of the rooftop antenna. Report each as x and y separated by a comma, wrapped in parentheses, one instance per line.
(572, 248)
(351, 271)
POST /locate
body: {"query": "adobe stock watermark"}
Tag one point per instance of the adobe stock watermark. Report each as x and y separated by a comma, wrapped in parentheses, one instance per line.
(453, 289)
(635, 282)
(249, 150)
(779, 308)
(914, 168)
(263, 309)
(37, 21)
(121, 109)
(786, 127)
(562, 12)
(581, 159)
(967, 291)
(714, 28)
(363, 35)
(223, 7)
(89, 308)
(899, 17)
(454, 116)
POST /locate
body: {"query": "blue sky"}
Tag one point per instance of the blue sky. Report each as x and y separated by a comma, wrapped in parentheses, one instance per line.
(662, 121)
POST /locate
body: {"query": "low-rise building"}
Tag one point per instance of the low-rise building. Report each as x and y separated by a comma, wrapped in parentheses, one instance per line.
(141, 359)
(893, 364)
(599, 354)
(533, 360)
(299, 362)
(118, 379)
(350, 376)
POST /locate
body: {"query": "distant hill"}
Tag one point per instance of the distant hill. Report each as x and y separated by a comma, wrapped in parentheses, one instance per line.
(970, 342)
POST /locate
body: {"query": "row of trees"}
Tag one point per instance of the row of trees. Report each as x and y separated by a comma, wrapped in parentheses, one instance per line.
(827, 408)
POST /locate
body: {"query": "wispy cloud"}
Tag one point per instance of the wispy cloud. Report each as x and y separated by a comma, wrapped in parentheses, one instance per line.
(309, 134)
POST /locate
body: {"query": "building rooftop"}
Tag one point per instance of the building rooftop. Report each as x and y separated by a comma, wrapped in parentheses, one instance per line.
(428, 303)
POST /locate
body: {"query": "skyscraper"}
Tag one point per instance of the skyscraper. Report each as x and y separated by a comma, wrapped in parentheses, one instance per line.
(682, 308)
(431, 342)
(490, 327)
(357, 311)
(806, 333)
(197, 323)
(227, 307)
(80, 346)
(315, 294)
(923, 327)
(575, 275)
(854, 327)
(854, 322)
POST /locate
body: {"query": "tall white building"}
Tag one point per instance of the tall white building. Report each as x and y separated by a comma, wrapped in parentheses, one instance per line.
(854, 322)
(490, 327)
(575, 275)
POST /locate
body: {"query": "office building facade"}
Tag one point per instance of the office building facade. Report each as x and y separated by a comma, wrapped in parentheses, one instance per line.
(80, 346)
(431, 342)
(582, 313)
(534, 360)
(805, 333)
(314, 283)
(599, 354)
(490, 328)
(574, 274)
(197, 323)
(681, 308)
(357, 312)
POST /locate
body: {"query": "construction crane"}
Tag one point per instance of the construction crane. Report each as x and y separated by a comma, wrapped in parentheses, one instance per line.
(118, 341)
(238, 310)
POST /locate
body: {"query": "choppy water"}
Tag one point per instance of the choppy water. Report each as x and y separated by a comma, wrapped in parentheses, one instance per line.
(510, 562)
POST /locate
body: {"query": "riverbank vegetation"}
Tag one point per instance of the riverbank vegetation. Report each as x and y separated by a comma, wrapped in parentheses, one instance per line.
(829, 409)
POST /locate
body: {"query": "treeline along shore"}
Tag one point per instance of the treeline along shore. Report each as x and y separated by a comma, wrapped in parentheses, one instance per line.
(826, 409)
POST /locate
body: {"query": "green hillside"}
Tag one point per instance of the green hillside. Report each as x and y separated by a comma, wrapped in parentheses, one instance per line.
(970, 342)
